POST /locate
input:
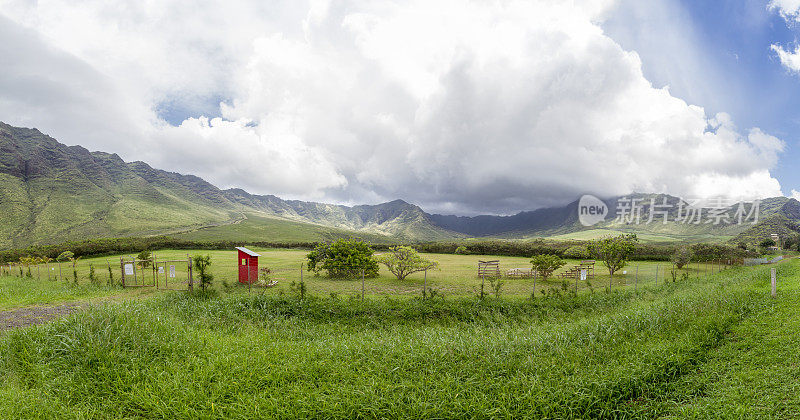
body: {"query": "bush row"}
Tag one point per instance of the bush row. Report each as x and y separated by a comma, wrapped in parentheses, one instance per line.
(564, 249)
(576, 249)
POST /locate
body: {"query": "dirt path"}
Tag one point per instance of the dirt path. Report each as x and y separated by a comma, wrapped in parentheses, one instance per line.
(31, 315)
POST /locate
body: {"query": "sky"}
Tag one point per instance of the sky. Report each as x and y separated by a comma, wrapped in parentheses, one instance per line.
(461, 107)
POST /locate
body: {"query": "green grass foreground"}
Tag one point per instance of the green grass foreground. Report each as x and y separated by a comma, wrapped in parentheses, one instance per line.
(675, 350)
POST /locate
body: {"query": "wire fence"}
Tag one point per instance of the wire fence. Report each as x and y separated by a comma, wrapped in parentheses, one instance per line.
(458, 280)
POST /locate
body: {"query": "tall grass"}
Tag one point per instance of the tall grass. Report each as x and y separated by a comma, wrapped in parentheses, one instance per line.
(601, 355)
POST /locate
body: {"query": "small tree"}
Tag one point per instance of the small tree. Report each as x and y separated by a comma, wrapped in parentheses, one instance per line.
(144, 259)
(201, 264)
(344, 258)
(26, 262)
(682, 256)
(614, 252)
(546, 264)
(75, 269)
(92, 275)
(403, 261)
(462, 250)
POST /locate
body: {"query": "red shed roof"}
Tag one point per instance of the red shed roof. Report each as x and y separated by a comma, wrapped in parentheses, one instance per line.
(247, 251)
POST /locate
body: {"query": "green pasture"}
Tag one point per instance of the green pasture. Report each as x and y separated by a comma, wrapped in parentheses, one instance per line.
(455, 276)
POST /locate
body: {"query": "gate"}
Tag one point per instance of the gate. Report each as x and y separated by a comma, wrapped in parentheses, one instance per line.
(161, 274)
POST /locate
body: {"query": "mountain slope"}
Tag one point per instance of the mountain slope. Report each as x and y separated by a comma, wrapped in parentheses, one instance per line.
(55, 193)
(52, 193)
(779, 215)
(396, 218)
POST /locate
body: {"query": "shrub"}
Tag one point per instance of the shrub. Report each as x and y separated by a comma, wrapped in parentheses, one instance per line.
(546, 264)
(344, 258)
(766, 243)
(201, 264)
(461, 250)
(577, 252)
(65, 256)
(682, 256)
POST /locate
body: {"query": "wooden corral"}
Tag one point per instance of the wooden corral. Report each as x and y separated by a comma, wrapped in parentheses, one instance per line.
(489, 268)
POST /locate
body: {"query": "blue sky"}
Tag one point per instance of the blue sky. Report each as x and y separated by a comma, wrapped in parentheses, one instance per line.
(716, 54)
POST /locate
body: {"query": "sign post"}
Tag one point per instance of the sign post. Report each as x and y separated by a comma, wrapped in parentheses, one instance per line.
(774, 278)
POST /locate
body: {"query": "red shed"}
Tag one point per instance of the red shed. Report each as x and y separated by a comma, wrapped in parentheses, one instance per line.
(248, 265)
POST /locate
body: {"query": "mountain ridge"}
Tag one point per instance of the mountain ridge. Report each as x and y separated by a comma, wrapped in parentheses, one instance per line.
(55, 192)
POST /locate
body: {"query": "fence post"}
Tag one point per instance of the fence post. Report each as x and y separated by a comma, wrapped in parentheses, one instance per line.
(576, 283)
(38, 276)
(362, 284)
(135, 279)
(121, 268)
(191, 278)
(425, 283)
(60, 277)
(656, 273)
(774, 278)
(534, 285)
(155, 272)
(636, 281)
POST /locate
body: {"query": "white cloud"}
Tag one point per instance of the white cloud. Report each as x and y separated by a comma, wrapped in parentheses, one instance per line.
(789, 9)
(796, 195)
(466, 106)
(790, 59)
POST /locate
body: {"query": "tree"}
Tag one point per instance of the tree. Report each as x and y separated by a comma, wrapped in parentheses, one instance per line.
(201, 264)
(546, 264)
(404, 260)
(462, 250)
(614, 252)
(766, 243)
(682, 256)
(344, 258)
(144, 259)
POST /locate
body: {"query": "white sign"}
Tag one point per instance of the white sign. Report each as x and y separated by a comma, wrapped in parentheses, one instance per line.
(172, 271)
(161, 270)
(583, 275)
(128, 269)
(591, 210)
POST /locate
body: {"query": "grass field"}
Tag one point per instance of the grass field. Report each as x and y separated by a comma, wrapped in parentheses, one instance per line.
(591, 234)
(456, 276)
(263, 228)
(711, 346)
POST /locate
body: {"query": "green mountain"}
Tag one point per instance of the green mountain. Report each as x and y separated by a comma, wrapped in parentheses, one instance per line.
(777, 215)
(52, 193)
